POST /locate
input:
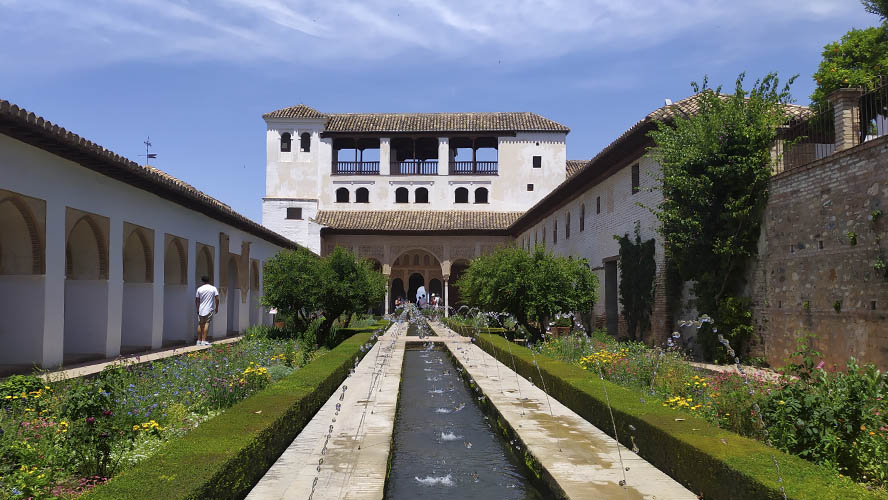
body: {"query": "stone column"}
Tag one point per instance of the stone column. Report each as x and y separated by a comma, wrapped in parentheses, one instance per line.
(388, 287)
(443, 156)
(115, 287)
(846, 110)
(385, 155)
(157, 290)
(53, 348)
(446, 296)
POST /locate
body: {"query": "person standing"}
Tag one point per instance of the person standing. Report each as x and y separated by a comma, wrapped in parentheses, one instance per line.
(207, 302)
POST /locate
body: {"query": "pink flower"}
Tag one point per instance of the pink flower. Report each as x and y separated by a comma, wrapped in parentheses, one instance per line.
(820, 365)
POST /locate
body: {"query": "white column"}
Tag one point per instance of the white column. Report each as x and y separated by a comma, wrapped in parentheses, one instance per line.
(388, 286)
(54, 286)
(191, 289)
(219, 325)
(157, 291)
(385, 154)
(443, 156)
(446, 296)
(115, 287)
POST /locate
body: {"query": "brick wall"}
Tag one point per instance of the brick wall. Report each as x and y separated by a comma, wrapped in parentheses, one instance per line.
(808, 266)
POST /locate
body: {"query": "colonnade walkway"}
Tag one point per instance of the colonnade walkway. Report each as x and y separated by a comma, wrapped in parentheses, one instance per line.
(343, 452)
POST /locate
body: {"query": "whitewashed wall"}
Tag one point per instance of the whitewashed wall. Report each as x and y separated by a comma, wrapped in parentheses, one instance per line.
(30, 171)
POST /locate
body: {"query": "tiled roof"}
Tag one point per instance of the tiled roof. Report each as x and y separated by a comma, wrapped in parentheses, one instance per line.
(27, 127)
(425, 122)
(574, 166)
(298, 111)
(415, 220)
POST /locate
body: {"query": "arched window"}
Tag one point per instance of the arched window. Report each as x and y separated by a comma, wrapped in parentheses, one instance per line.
(421, 195)
(481, 195)
(342, 195)
(362, 195)
(567, 227)
(461, 195)
(401, 195)
(286, 142)
(305, 142)
(582, 217)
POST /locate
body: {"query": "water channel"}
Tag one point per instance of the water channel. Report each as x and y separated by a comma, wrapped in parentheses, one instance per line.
(443, 445)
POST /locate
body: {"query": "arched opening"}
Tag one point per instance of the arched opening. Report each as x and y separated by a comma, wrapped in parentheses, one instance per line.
(138, 289)
(286, 142)
(204, 264)
(178, 303)
(233, 298)
(414, 268)
(461, 195)
(255, 308)
(421, 195)
(342, 195)
(86, 287)
(397, 292)
(481, 195)
(22, 286)
(401, 195)
(305, 142)
(457, 268)
(362, 195)
(436, 289)
(415, 281)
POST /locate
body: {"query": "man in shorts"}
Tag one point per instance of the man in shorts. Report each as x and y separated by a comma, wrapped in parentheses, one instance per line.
(207, 302)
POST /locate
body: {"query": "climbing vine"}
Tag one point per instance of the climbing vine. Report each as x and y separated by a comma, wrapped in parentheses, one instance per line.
(638, 270)
(716, 163)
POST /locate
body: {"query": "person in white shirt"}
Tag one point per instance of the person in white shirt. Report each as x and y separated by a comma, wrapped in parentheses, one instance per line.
(207, 302)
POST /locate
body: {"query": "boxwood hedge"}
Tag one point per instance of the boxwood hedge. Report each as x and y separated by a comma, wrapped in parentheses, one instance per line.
(228, 454)
(709, 461)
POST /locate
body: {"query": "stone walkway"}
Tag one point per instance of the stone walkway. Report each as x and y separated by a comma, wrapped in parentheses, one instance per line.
(583, 460)
(343, 452)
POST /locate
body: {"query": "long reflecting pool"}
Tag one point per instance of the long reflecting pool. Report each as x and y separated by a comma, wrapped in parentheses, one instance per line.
(443, 445)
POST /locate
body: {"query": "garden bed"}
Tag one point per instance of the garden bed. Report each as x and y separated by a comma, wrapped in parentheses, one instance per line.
(710, 461)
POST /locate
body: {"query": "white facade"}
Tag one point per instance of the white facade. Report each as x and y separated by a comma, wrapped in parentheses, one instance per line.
(116, 266)
(306, 180)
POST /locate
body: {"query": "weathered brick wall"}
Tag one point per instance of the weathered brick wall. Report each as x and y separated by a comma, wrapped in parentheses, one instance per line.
(810, 276)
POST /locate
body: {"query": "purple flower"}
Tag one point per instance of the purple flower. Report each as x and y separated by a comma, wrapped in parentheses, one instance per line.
(108, 413)
(90, 420)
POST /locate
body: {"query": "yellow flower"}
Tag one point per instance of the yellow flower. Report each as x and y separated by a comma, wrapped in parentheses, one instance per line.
(781, 402)
(863, 427)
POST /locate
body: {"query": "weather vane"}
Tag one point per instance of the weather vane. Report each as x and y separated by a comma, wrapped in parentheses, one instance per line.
(148, 155)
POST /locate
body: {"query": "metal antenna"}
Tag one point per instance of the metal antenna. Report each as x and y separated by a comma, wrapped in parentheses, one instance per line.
(148, 155)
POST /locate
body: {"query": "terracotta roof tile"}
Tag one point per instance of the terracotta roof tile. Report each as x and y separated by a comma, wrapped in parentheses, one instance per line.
(27, 127)
(415, 220)
(425, 122)
(574, 166)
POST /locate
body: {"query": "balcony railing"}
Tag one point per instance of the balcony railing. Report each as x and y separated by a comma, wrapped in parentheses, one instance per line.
(474, 168)
(415, 167)
(356, 168)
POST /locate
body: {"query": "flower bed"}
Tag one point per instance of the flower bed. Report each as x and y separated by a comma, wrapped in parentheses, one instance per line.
(60, 439)
(709, 460)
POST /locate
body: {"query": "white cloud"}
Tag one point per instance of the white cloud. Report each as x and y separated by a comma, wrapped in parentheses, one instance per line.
(57, 34)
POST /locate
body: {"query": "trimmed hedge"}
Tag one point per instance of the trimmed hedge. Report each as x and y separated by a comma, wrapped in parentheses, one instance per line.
(227, 455)
(469, 331)
(711, 462)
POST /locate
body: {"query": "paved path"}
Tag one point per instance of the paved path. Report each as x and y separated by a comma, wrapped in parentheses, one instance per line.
(344, 453)
(92, 368)
(582, 459)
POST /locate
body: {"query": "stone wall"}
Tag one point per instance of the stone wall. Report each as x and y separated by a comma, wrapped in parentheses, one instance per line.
(815, 272)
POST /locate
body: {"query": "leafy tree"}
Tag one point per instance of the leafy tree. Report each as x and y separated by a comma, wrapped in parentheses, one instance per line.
(638, 271)
(532, 287)
(304, 287)
(716, 165)
(877, 7)
(857, 60)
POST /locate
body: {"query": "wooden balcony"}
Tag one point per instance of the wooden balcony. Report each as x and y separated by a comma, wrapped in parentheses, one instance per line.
(356, 168)
(474, 168)
(415, 167)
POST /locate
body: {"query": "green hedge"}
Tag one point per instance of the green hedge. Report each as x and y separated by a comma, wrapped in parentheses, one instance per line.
(345, 333)
(228, 454)
(469, 331)
(709, 461)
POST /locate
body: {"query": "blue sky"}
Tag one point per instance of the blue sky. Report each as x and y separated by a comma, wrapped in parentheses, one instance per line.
(198, 74)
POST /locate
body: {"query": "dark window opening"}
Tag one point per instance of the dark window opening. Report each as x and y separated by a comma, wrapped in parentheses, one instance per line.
(286, 142)
(530, 187)
(537, 162)
(582, 217)
(481, 195)
(554, 232)
(362, 195)
(421, 195)
(342, 195)
(461, 195)
(401, 195)
(567, 227)
(305, 142)
(294, 213)
(598, 204)
(636, 181)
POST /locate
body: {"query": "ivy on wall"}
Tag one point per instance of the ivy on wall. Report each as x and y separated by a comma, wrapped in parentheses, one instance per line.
(716, 165)
(638, 271)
